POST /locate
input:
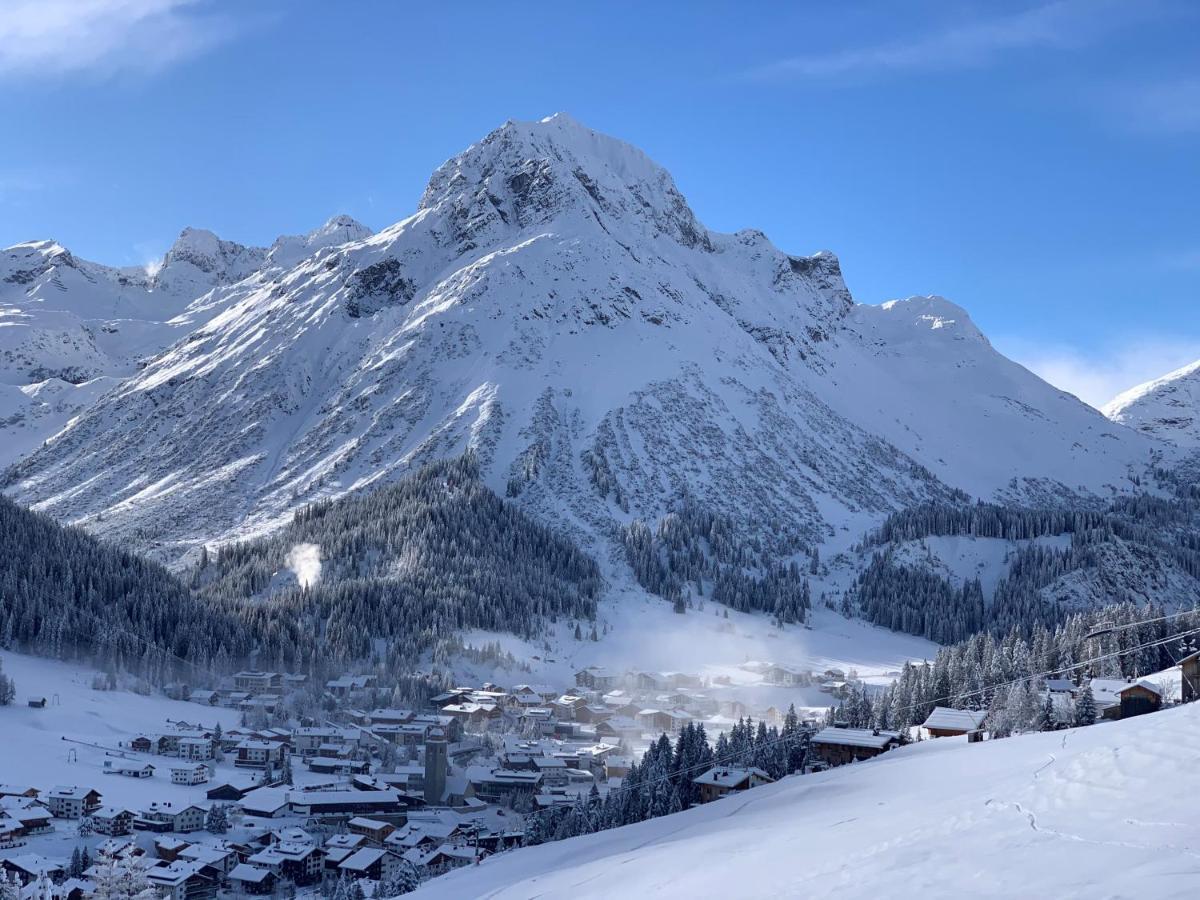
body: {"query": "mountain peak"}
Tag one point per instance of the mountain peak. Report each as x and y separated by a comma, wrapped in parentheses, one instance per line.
(198, 257)
(528, 174)
(341, 229)
(1167, 407)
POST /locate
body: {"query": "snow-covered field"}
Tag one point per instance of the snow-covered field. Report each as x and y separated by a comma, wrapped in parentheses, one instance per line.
(33, 751)
(1107, 811)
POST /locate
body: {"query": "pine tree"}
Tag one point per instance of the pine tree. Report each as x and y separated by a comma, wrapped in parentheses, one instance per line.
(121, 880)
(1046, 720)
(1085, 706)
(217, 819)
(8, 690)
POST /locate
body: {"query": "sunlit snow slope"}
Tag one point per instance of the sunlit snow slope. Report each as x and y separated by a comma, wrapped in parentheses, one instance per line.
(1106, 811)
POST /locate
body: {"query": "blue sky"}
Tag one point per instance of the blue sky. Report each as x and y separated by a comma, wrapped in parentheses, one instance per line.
(1036, 162)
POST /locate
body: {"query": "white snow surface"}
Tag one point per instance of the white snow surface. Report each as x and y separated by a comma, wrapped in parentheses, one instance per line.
(555, 305)
(1106, 811)
(1167, 407)
(71, 329)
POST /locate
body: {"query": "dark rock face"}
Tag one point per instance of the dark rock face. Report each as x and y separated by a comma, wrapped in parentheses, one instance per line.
(377, 287)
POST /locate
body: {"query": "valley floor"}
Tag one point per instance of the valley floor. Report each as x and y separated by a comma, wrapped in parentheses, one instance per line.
(1106, 811)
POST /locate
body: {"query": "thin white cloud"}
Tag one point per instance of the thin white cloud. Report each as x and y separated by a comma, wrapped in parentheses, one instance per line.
(1096, 376)
(1058, 25)
(50, 38)
(1163, 107)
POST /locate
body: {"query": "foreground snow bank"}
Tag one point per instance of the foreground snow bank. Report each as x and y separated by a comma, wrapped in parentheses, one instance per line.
(1103, 811)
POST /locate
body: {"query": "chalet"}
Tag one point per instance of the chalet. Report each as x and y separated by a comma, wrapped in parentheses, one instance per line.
(439, 860)
(11, 832)
(596, 678)
(390, 716)
(128, 769)
(1117, 699)
(308, 741)
(349, 803)
(1189, 668)
(220, 860)
(837, 746)
(227, 792)
(495, 785)
(18, 790)
(620, 728)
(1060, 686)
(28, 867)
(344, 842)
(446, 698)
(372, 830)
(946, 722)
(72, 802)
(552, 769)
(182, 880)
(168, 848)
(162, 816)
(1140, 698)
(254, 683)
(112, 821)
(525, 695)
(477, 716)
(190, 773)
(722, 780)
(369, 862)
(252, 880)
(593, 714)
(301, 864)
(349, 684)
(199, 749)
(254, 754)
(265, 803)
(25, 821)
(143, 744)
(786, 675)
(649, 681)
(205, 698)
(338, 766)
(656, 720)
(617, 766)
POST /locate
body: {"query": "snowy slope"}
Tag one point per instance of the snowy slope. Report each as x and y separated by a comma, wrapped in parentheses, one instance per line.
(1101, 811)
(1168, 407)
(70, 329)
(555, 305)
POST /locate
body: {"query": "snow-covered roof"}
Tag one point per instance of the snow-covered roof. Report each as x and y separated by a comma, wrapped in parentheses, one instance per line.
(362, 859)
(246, 872)
(855, 737)
(948, 719)
(724, 776)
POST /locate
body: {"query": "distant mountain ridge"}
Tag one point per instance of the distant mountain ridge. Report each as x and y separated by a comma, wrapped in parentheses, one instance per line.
(1167, 407)
(71, 329)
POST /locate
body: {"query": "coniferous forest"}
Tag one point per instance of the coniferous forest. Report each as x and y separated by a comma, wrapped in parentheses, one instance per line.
(400, 569)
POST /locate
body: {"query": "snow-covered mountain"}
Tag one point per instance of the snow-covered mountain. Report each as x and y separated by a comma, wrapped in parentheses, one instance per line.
(70, 329)
(1168, 407)
(555, 305)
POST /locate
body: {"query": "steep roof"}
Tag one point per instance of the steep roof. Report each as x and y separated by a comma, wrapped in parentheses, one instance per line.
(855, 737)
(949, 719)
